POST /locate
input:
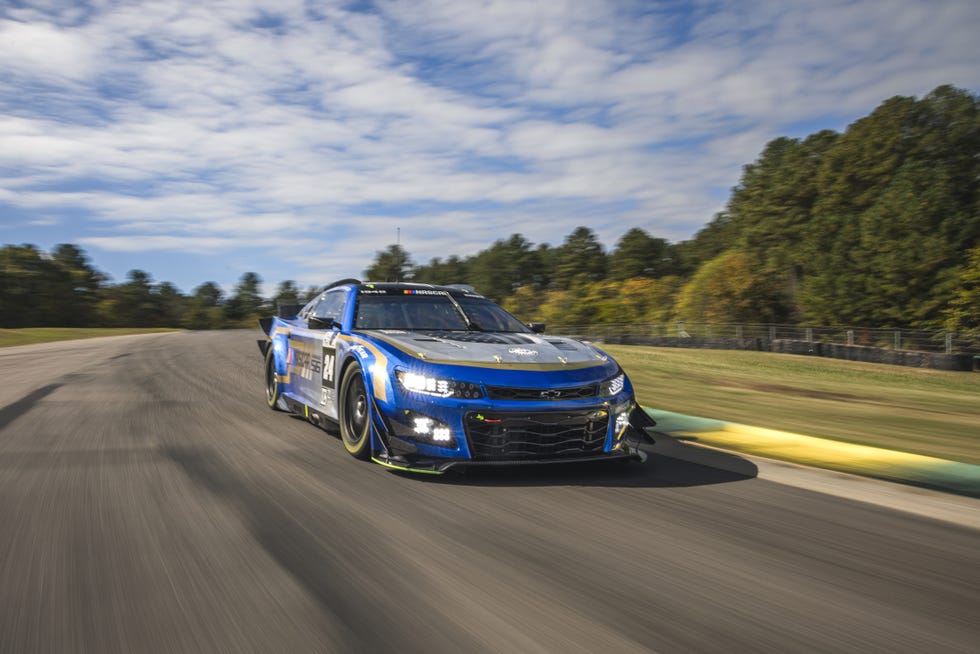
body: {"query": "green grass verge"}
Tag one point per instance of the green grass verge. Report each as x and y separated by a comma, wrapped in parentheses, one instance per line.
(927, 412)
(31, 335)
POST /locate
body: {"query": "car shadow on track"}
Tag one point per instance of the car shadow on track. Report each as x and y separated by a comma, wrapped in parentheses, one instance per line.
(670, 463)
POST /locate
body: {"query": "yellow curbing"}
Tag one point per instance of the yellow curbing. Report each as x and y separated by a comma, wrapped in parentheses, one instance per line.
(824, 453)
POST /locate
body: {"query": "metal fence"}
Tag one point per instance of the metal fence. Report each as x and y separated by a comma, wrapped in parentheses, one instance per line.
(939, 341)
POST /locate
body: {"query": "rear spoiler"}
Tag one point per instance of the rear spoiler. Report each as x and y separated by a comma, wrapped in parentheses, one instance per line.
(282, 311)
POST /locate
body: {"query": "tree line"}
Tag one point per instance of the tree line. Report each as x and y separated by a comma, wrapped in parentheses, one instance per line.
(63, 289)
(878, 226)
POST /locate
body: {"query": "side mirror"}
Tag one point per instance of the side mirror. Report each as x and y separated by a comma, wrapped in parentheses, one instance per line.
(536, 327)
(322, 323)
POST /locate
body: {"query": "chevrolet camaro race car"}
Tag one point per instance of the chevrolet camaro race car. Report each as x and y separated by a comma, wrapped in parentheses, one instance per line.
(429, 378)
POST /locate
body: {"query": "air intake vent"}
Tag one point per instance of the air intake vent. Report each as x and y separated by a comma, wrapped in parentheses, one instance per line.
(523, 436)
(566, 346)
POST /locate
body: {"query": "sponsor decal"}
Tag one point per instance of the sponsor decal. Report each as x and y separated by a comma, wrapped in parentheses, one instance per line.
(422, 291)
(329, 361)
(523, 352)
(302, 361)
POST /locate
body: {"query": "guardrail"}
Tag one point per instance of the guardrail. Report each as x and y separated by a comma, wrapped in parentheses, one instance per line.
(942, 350)
(945, 342)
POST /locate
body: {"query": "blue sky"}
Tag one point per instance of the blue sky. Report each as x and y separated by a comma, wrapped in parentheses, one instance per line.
(199, 140)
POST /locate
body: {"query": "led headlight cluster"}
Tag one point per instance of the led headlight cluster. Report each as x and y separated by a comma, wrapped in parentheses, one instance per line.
(416, 383)
(622, 413)
(613, 386)
(422, 428)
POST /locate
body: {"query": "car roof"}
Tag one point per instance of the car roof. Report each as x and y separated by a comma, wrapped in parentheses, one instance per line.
(456, 290)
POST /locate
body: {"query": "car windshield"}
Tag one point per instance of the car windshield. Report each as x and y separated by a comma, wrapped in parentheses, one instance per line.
(409, 311)
(488, 317)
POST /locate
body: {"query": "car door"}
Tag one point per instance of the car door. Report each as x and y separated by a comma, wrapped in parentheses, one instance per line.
(315, 351)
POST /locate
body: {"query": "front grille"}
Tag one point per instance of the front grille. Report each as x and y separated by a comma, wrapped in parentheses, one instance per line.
(528, 436)
(541, 394)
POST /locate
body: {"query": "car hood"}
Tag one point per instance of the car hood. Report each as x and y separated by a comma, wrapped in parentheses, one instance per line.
(493, 349)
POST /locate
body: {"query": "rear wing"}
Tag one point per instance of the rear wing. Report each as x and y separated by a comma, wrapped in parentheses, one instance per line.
(282, 311)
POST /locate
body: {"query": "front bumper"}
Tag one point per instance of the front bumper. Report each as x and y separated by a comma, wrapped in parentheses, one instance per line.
(555, 449)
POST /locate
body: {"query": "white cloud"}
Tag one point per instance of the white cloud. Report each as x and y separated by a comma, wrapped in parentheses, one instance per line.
(43, 48)
(220, 127)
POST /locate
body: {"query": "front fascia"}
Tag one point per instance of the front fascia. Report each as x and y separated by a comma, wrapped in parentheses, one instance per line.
(451, 411)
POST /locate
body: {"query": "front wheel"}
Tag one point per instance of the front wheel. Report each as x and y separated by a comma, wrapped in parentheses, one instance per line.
(354, 414)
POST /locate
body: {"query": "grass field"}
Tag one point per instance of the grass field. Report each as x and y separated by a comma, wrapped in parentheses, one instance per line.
(31, 335)
(914, 410)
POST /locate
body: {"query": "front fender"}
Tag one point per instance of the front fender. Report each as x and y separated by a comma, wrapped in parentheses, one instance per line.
(375, 374)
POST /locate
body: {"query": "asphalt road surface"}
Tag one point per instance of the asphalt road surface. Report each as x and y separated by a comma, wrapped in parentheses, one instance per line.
(150, 502)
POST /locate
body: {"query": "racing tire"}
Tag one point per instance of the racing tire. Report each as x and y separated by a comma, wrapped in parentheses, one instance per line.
(273, 396)
(354, 413)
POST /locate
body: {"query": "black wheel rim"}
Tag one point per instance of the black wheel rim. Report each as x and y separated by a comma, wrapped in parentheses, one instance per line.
(355, 411)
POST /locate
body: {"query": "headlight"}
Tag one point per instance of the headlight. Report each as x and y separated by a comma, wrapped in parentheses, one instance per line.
(613, 386)
(416, 383)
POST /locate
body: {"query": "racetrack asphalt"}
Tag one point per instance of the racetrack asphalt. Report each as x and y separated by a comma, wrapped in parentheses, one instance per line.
(150, 502)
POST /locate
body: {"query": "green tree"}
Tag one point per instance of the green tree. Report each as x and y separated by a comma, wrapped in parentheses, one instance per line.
(898, 209)
(451, 271)
(581, 259)
(130, 304)
(638, 254)
(244, 307)
(525, 303)
(204, 308)
(170, 305)
(661, 301)
(728, 289)
(390, 265)
(710, 241)
(286, 293)
(79, 285)
(505, 266)
(24, 298)
(963, 312)
(773, 203)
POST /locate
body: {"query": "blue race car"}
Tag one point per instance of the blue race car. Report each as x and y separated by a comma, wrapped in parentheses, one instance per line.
(429, 378)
